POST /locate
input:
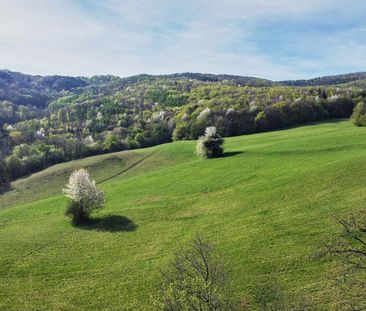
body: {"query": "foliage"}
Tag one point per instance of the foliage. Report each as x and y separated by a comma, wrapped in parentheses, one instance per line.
(195, 280)
(210, 144)
(328, 80)
(85, 196)
(79, 117)
(359, 114)
(14, 166)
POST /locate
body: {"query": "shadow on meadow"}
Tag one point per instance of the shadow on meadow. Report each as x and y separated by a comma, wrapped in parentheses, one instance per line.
(231, 154)
(110, 223)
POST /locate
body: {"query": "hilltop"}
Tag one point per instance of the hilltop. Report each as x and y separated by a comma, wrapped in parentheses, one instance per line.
(50, 87)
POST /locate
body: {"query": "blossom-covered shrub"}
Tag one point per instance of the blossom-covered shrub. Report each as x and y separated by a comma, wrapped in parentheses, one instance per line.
(85, 196)
(210, 144)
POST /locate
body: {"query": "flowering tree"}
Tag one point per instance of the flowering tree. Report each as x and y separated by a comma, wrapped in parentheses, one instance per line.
(85, 196)
(210, 144)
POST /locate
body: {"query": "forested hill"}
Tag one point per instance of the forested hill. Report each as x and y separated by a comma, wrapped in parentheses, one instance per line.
(327, 80)
(36, 90)
(50, 119)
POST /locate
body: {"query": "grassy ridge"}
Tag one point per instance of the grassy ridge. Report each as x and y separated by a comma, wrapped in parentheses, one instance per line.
(266, 204)
(103, 168)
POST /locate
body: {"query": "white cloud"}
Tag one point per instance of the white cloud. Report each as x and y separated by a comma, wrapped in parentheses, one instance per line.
(162, 36)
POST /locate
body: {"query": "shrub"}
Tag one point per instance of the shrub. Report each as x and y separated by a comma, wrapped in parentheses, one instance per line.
(359, 114)
(210, 144)
(85, 196)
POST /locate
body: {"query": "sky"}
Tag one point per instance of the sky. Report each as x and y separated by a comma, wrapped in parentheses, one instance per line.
(274, 39)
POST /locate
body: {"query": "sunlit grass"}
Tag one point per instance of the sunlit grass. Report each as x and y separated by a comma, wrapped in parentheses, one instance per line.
(267, 204)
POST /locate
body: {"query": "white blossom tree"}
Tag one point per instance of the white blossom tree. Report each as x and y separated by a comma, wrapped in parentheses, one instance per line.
(210, 144)
(85, 196)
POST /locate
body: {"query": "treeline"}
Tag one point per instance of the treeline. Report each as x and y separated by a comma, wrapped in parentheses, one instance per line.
(11, 113)
(113, 114)
(253, 119)
(328, 80)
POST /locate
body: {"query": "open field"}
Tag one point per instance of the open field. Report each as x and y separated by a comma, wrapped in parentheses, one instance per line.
(267, 205)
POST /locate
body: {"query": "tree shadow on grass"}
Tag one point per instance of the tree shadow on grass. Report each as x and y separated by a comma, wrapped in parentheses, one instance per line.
(111, 223)
(231, 154)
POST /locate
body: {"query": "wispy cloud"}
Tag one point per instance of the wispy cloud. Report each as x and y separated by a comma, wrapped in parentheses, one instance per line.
(278, 39)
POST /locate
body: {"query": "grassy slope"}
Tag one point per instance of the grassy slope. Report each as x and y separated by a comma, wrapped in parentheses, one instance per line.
(266, 207)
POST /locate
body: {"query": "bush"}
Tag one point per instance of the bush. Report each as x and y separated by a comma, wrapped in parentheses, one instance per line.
(359, 114)
(210, 144)
(85, 196)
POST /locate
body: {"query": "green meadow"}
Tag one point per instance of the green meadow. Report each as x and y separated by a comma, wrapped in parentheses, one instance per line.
(268, 204)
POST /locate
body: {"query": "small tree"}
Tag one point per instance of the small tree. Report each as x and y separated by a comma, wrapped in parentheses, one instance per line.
(85, 196)
(359, 114)
(195, 280)
(210, 144)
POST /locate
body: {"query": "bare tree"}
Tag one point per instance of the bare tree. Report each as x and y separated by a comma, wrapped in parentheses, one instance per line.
(351, 244)
(350, 249)
(195, 280)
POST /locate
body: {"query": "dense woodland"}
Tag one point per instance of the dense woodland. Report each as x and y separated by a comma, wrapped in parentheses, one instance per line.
(52, 119)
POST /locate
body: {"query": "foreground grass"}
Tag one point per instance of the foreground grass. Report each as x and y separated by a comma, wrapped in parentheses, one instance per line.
(267, 205)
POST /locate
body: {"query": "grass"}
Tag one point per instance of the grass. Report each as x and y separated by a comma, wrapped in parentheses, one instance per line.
(267, 205)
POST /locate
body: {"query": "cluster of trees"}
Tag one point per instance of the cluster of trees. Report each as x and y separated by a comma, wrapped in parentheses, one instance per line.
(328, 80)
(236, 110)
(69, 118)
(30, 158)
(12, 113)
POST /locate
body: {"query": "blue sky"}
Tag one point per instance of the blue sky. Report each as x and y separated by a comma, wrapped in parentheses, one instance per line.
(275, 39)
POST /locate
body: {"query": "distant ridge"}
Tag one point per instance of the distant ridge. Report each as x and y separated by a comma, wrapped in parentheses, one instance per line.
(327, 80)
(50, 84)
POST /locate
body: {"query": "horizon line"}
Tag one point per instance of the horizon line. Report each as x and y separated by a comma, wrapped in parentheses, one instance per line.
(178, 73)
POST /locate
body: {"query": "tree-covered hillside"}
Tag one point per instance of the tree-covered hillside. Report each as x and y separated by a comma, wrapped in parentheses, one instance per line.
(51, 119)
(328, 80)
